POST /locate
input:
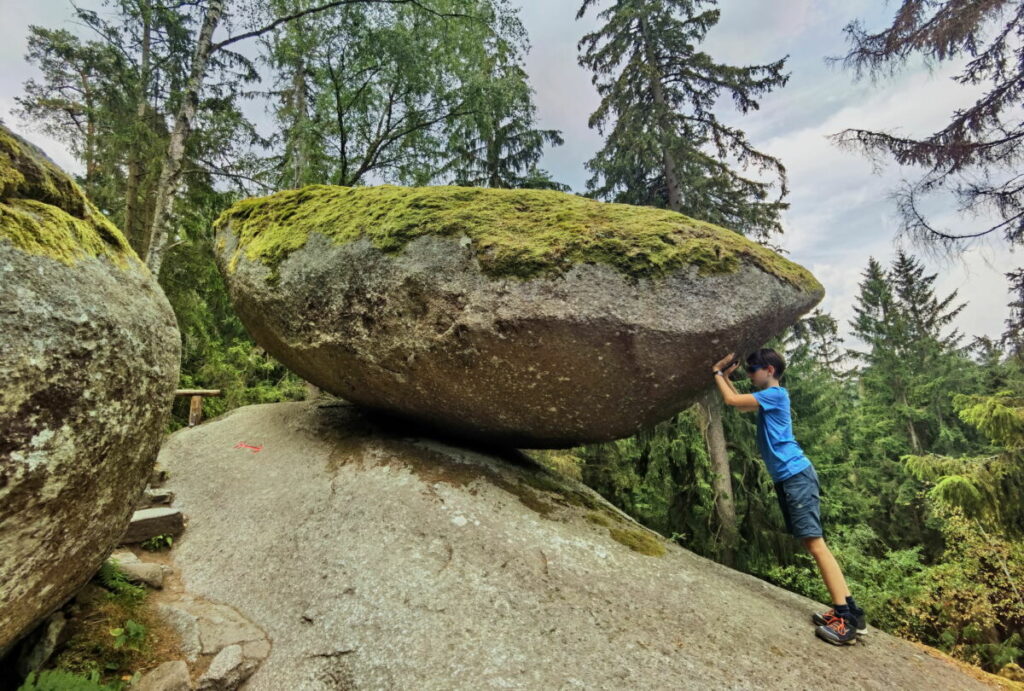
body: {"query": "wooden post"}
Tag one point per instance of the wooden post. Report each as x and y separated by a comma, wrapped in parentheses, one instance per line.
(195, 411)
(195, 408)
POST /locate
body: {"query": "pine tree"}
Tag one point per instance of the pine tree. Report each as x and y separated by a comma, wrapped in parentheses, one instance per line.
(988, 488)
(1013, 336)
(816, 338)
(908, 375)
(499, 145)
(977, 155)
(664, 144)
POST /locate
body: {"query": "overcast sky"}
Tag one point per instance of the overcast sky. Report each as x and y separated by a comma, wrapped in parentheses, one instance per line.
(840, 211)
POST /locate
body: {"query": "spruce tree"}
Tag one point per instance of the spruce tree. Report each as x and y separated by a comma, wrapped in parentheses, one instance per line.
(664, 144)
(976, 157)
(908, 374)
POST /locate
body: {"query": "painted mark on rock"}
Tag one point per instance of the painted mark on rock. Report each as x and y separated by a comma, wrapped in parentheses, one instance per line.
(254, 449)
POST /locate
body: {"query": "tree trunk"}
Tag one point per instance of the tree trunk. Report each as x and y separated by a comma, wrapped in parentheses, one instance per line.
(675, 194)
(299, 162)
(725, 506)
(170, 171)
(711, 405)
(137, 232)
(915, 442)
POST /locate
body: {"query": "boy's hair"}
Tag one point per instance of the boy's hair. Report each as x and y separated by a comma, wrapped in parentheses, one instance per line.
(765, 357)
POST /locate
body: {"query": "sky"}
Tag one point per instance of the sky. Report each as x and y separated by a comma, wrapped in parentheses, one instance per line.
(841, 212)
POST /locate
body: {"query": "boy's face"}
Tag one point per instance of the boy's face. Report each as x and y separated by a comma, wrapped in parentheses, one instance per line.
(761, 377)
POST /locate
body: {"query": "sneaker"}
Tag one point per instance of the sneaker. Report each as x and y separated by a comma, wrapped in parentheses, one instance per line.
(859, 619)
(838, 631)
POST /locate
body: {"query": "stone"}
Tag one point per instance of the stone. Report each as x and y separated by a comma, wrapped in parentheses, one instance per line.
(206, 628)
(141, 572)
(89, 355)
(147, 523)
(227, 671)
(154, 497)
(256, 649)
(524, 318)
(33, 657)
(124, 556)
(157, 477)
(221, 626)
(376, 559)
(169, 676)
(185, 625)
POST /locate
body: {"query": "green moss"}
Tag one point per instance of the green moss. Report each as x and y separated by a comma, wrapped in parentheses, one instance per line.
(638, 541)
(515, 233)
(43, 212)
(599, 519)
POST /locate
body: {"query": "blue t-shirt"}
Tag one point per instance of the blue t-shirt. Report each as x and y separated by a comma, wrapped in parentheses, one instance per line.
(775, 440)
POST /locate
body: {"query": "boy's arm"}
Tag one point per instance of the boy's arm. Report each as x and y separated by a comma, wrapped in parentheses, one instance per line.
(743, 401)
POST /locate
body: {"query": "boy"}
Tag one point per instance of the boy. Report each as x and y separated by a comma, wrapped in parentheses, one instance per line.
(796, 483)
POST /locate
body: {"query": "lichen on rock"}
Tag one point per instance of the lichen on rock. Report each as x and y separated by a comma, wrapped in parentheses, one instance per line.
(513, 233)
(43, 211)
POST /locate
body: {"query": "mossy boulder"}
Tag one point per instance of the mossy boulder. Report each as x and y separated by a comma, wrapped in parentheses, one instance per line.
(89, 354)
(43, 212)
(526, 317)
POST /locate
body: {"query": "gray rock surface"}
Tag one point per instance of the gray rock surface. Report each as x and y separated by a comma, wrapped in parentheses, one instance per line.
(377, 560)
(170, 676)
(548, 362)
(89, 354)
(206, 628)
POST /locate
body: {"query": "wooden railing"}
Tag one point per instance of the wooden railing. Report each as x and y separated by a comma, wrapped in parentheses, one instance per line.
(195, 407)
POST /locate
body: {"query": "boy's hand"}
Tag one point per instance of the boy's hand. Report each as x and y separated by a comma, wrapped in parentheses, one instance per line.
(724, 361)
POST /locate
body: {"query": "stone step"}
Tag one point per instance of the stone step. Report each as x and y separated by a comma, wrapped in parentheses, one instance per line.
(147, 523)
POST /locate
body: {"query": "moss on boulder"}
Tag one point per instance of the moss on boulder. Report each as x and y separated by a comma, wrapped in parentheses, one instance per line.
(513, 233)
(43, 211)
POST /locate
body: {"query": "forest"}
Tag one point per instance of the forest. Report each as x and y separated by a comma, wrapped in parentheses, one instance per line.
(916, 429)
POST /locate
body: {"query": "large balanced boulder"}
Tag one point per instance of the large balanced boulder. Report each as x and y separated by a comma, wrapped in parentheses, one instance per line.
(530, 318)
(375, 560)
(89, 353)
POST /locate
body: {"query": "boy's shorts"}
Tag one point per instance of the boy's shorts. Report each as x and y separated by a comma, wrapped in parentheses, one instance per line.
(800, 500)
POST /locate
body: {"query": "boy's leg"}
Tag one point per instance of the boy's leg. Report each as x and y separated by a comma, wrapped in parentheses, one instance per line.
(829, 568)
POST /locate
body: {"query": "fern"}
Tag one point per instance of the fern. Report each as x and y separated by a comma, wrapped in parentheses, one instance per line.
(59, 680)
(114, 580)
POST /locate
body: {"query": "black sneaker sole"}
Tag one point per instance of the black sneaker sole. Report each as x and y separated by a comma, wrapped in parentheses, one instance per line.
(852, 641)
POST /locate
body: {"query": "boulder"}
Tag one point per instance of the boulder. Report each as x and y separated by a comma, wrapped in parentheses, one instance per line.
(376, 560)
(524, 317)
(147, 523)
(89, 353)
(144, 572)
